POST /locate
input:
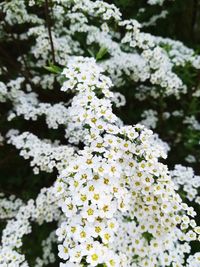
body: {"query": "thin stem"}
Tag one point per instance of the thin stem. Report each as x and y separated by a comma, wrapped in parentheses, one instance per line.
(194, 17)
(48, 21)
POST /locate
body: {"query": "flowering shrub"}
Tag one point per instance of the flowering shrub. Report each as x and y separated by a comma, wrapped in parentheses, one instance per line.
(99, 185)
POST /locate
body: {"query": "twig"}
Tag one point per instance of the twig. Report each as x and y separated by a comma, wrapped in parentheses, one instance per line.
(194, 18)
(49, 30)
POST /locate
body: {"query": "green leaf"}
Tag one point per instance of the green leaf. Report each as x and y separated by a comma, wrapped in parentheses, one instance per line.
(53, 68)
(102, 51)
(91, 52)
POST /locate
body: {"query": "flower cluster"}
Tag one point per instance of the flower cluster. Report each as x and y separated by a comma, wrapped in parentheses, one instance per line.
(45, 155)
(184, 177)
(149, 118)
(115, 184)
(156, 2)
(43, 209)
(48, 256)
(9, 206)
(160, 67)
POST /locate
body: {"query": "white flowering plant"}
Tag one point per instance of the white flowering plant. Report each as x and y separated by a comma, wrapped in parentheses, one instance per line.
(99, 136)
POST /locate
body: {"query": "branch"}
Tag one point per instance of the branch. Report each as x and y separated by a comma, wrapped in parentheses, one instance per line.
(48, 21)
